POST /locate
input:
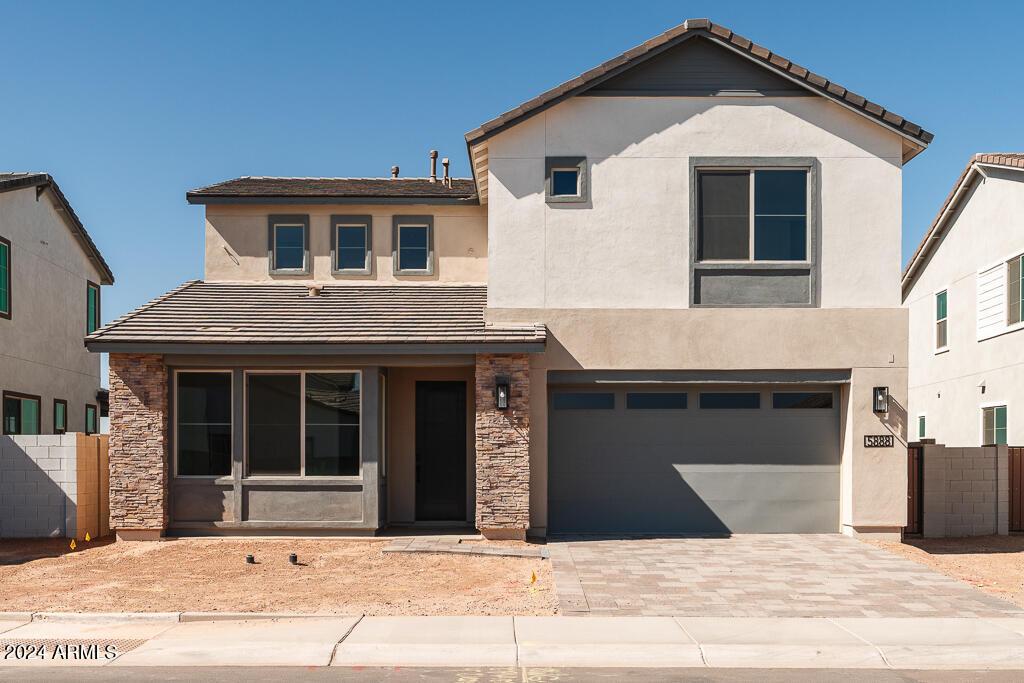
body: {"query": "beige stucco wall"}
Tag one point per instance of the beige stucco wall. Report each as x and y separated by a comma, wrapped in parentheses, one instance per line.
(870, 343)
(945, 386)
(236, 242)
(41, 348)
(401, 437)
(628, 246)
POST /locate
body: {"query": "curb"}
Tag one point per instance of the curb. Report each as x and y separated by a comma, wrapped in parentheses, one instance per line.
(169, 617)
(186, 617)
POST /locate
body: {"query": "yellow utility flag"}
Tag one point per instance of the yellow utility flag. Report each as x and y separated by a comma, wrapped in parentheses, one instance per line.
(72, 544)
(533, 578)
(87, 539)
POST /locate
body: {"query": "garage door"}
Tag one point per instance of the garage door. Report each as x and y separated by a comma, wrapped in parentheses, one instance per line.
(693, 459)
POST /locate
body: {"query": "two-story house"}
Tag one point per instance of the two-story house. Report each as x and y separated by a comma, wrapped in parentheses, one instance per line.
(963, 289)
(667, 301)
(51, 273)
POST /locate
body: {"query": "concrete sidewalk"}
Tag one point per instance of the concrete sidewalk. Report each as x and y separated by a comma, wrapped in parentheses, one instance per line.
(150, 640)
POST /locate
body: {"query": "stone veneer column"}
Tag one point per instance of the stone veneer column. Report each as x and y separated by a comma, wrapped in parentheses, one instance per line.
(503, 448)
(138, 437)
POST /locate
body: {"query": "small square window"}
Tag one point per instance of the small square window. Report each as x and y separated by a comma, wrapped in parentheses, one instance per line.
(565, 179)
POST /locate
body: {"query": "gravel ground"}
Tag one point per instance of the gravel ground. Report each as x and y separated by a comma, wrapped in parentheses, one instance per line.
(995, 564)
(341, 576)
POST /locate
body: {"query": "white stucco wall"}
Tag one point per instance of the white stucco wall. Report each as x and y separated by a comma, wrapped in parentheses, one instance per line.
(41, 347)
(628, 247)
(988, 229)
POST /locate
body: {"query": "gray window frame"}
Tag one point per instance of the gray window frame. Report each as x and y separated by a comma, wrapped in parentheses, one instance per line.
(275, 220)
(343, 220)
(397, 222)
(813, 262)
(552, 164)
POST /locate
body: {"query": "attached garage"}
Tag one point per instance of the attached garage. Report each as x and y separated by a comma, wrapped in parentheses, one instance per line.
(681, 458)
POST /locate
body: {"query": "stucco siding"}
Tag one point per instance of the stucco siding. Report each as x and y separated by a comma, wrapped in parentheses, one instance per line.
(627, 247)
(236, 242)
(41, 347)
(945, 387)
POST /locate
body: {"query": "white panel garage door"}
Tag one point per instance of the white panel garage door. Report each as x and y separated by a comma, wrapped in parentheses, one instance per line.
(693, 459)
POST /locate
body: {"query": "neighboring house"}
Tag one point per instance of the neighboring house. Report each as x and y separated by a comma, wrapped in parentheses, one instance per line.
(963, 288)
(662, 304)
(51, 274)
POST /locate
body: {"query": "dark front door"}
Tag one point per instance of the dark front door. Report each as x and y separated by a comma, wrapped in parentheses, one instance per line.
(440, 451)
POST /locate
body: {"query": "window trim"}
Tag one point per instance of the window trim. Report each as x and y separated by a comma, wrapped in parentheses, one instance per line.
(301, 476)
(352, 221)
(1005, 405)
(62, 402)
(935, 337)
(552, 164)
(96, 413)
(25, 397)
(813, 263)
(89, 286)
(176, 419)
(406, 220)
(6, 315)
(287, 220)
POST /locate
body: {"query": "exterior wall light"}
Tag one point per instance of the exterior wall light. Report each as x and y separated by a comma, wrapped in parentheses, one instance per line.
(501, 389)
(881, 399)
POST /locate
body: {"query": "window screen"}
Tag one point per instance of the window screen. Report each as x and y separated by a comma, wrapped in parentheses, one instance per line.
(724, 207)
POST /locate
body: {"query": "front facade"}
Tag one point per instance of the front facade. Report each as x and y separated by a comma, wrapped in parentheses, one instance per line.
(51, 274)
(662, 304)
(963, 291)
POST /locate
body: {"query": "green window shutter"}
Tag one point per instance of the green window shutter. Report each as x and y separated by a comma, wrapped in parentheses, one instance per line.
(1014, 290)
(5, 274)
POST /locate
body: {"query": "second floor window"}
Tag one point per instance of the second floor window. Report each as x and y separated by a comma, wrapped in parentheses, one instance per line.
(941, 321)
(413, 245)
(60, 416)
(5, 278)
(752, 215)
(1014, 289)
(91, 419)
(92, 307)
(993, 427)
(20, 413)
(289, 244)
(351, 243)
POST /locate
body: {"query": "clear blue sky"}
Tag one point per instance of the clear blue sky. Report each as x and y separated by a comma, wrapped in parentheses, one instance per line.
(129, 104)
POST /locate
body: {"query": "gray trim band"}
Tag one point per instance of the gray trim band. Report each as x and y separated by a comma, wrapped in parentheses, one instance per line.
(473, 201)
(699, 376)
(243, 349)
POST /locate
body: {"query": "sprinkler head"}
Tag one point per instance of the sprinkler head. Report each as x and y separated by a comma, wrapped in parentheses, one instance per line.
(249, 559)
(293, 559)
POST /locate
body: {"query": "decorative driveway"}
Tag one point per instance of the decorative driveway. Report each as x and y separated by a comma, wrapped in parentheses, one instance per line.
(763, 575)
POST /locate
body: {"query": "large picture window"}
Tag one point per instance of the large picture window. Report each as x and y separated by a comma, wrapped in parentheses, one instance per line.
(20, 413)
(752, 215)
(303, 424)
(203, 411)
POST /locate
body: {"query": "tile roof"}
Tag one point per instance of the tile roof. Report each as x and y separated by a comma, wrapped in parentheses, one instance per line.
(200, 312)
(15, 181)
(718, 33)
(330, 189)
(1014, 160)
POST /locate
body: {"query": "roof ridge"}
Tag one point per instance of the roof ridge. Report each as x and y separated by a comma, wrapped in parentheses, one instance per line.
(149, 304)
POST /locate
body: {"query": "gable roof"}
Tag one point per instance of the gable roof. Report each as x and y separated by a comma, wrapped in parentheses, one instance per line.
(704, 28)
(256, 316)
(335, 191)
(952, 204)
(15, 181)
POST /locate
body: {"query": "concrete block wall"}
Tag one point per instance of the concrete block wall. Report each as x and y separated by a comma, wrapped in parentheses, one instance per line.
(966, 491)
(38, 486)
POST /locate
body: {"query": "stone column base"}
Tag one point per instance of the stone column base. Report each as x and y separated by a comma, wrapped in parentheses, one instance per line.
(504, 534)
(140, 534)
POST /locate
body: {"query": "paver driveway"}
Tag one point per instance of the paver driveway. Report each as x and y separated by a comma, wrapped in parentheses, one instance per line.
(826, 575)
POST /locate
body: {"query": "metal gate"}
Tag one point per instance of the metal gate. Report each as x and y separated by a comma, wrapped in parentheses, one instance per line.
(1016, 489)
(915, 500)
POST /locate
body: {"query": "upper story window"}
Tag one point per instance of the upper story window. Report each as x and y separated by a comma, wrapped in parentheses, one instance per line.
(1014, 289)
(92, 307)
(288, 244)
(5, 278)
(20, 413)
(941, 321)
(91, 419)
(752, 215)
(993, 426)
(413, 245)
(60, 416)
(565, 179)
(351, 244)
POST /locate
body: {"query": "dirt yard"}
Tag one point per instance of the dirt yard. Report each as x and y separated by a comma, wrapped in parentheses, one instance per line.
(995, 564)
(341, 576)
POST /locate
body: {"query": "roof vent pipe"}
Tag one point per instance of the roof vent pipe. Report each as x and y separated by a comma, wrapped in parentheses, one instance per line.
(446, 179)
(314, 290)
(394, 172)
(433, 165)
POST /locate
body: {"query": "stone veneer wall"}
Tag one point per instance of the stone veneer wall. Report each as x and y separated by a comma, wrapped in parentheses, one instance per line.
(138, 434)
(966, 491)
(503, 448)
